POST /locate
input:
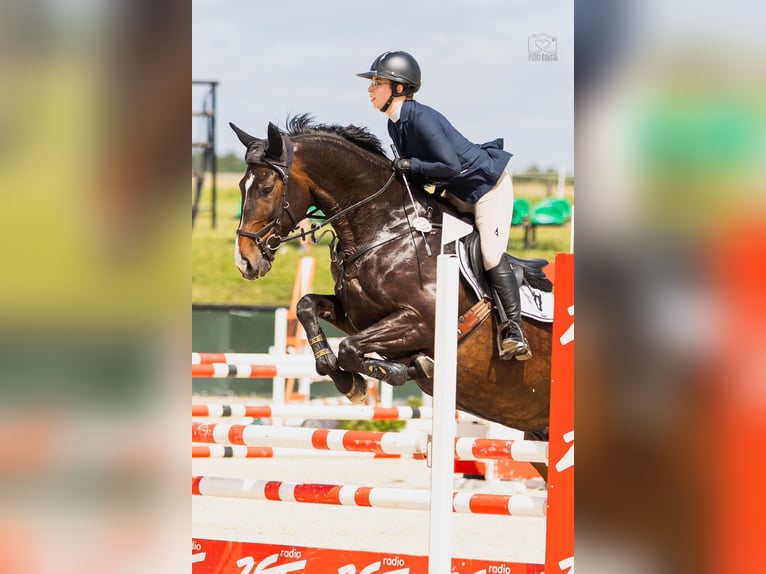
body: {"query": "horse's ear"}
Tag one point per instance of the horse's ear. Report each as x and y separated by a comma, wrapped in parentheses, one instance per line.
(244, 137)
(275, 141)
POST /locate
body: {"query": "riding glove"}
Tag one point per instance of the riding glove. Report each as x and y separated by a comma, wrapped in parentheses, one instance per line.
(402, 165)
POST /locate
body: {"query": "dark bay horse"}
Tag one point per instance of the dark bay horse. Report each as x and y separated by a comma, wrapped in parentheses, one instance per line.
(385, 282)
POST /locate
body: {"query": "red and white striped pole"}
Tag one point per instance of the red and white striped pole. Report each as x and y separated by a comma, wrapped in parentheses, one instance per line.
(251, 371)
(321, 412)
(403, 443)
(369, 496)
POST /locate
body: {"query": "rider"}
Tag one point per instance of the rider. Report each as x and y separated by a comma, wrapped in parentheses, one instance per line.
(433, 151)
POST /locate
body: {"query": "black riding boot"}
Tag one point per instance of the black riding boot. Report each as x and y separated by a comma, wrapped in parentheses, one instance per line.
(512, 340)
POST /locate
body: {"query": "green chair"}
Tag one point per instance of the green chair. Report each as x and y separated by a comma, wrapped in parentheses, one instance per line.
(520, 211)
(565, 207)
(547, 213)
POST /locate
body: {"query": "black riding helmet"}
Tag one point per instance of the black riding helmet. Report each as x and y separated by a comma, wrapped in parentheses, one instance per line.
(400, 68)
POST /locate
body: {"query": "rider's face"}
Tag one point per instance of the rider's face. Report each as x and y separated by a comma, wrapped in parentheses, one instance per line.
(379, 91)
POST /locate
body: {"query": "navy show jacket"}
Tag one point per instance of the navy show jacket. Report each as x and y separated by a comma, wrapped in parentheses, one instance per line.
(443, 156)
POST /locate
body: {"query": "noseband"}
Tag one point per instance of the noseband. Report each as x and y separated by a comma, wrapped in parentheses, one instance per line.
(257, 155)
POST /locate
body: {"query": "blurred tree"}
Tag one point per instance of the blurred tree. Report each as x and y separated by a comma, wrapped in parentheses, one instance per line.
(231, 163)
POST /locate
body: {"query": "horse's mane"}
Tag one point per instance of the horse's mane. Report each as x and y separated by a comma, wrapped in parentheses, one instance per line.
(305, 124)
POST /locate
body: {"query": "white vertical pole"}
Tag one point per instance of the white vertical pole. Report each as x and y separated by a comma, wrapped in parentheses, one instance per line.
(386, 394)
(442, 447)
(280, 346)
(304, 387)
(306, 268)
(562, 182)
(571, 231)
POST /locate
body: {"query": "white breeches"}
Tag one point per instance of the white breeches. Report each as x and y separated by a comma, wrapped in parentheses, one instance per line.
(493, 214)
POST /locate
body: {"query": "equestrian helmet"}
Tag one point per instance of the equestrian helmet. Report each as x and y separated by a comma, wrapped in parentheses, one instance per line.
(399, 67)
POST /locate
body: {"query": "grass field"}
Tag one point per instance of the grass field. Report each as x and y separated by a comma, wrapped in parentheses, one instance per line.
(215, 279)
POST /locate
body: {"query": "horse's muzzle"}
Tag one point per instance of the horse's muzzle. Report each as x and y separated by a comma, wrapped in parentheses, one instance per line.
(251, 267)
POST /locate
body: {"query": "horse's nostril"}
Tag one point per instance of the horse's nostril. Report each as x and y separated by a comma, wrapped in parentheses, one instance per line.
(243, 264)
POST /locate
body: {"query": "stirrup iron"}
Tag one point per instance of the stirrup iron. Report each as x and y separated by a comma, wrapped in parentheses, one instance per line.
(510, 347)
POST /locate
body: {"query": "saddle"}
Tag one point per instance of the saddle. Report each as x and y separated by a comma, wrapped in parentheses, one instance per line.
(528, 271)
(535, 289)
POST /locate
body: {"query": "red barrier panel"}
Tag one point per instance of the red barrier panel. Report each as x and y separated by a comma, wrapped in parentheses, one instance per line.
(223, 557)
(559, 549)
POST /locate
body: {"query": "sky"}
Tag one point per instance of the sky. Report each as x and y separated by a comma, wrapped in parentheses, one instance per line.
(280, 58)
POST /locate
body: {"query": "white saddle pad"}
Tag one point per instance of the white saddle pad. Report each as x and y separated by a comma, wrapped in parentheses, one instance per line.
(535, 304)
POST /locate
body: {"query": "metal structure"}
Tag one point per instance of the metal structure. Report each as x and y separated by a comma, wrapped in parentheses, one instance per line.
(204, 159)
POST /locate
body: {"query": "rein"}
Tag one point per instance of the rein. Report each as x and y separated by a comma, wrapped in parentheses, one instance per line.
(269, 247)
(316, 227)
(278, 154)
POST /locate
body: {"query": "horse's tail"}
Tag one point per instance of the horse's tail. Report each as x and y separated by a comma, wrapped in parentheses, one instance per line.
(533, 272)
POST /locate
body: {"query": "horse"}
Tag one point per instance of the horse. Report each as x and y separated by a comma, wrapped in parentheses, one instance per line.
(384, 274)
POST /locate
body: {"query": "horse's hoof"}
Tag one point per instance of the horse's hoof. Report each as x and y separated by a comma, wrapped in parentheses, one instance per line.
(423, 367)
(358, 392)
(392, 373)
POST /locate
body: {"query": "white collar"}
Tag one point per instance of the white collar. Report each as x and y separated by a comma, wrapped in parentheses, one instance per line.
(395, 109)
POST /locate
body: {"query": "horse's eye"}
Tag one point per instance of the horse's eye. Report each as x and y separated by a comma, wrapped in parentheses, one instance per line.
(267, 189)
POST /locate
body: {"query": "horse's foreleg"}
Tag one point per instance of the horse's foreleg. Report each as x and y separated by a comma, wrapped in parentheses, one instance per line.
(401, 334)
(310, 309)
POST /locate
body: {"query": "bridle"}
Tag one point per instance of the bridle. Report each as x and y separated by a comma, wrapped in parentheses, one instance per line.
(274, 241)
(282, 167)
(268, 247)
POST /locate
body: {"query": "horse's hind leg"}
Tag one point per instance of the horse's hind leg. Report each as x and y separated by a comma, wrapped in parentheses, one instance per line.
(309, 310)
